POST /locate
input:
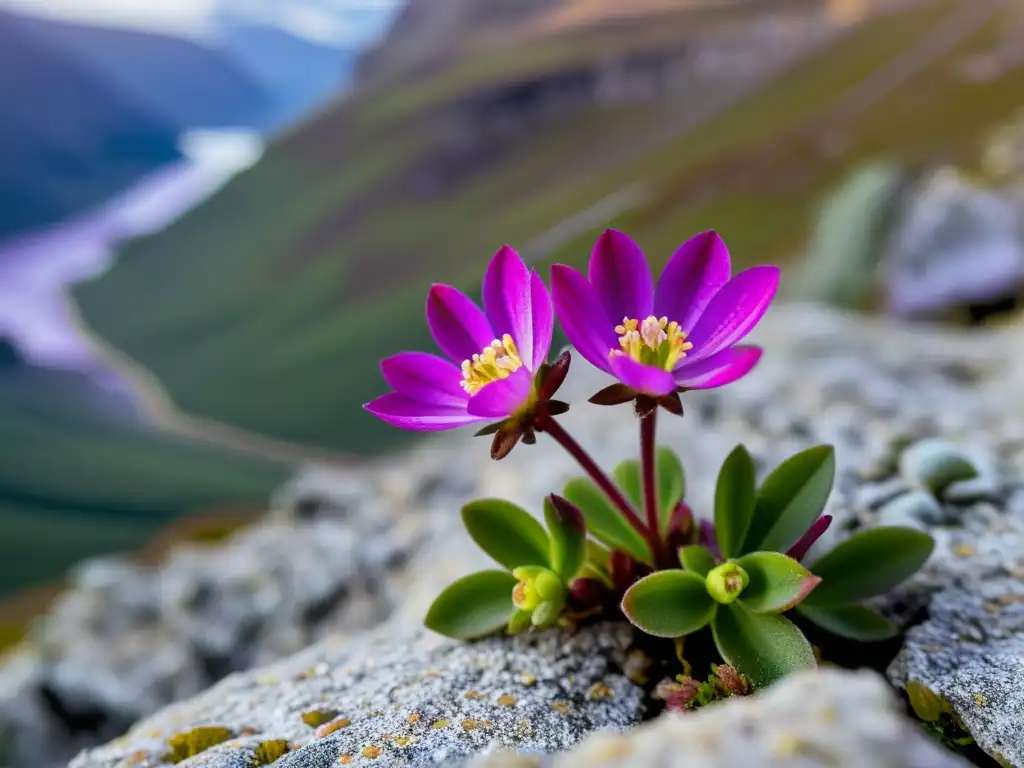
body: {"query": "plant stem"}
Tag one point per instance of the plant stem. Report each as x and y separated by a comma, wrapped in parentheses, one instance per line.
(648, 422)
(545, 423)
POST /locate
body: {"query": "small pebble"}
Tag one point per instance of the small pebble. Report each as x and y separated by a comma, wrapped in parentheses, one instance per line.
(917, 509)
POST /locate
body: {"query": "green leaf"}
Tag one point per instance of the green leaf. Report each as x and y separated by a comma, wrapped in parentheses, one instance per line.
(669, 603)
(763, 646)
(734, 501)
(604, 521)
(568, 537)
(697, 559)
(474, 606)
(791, 499)
(671, 484)
(857, 622)
(506, 532)
(777, 582)
(869, 563)
(627, 477)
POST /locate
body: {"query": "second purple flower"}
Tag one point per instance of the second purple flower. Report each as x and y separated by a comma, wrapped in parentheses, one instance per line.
(682, 334)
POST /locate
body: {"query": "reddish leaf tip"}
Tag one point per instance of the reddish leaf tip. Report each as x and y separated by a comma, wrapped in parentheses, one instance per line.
(569, 513)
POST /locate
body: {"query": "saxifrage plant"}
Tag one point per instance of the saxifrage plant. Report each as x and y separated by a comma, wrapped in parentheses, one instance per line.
(629, 542)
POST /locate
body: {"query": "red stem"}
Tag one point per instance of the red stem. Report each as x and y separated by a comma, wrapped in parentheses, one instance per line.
(647, 448)
(545, 423)
(647, 444)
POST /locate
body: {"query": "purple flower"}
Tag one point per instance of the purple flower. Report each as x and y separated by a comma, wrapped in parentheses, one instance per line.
(682, 334)
(492, 356)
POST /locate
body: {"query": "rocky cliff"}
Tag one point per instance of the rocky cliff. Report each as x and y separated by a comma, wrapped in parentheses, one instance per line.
(347, 549)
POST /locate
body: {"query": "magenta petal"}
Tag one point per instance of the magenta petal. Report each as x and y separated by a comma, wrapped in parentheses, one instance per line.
(426, 378)
(401, 411)
(718, 370)
(543, 322)
(503, 397)
(621, 277)
(507, 299)
(457, 324)
(734, 310)
(694, 274)
(582, 316)
(642, 378)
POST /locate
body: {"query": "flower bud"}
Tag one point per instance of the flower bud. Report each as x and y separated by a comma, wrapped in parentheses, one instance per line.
(539, 596)
(725, 582)
(524, 596)
(546, 614)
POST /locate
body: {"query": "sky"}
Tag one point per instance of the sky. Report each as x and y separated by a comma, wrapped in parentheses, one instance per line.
(325, 20)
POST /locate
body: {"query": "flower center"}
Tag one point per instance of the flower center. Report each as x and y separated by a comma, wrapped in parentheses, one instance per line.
(499, 360)
(655, 342)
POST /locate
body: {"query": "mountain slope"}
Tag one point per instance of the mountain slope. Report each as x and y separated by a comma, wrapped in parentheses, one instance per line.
(182, 82)
(68, 139)
(300, 74)
(81, 473)
(537, 132)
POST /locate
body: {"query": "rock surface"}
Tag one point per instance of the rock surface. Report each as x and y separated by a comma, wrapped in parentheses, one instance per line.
(823, 718)
(125, 640)
(388, 534)
(406, 700)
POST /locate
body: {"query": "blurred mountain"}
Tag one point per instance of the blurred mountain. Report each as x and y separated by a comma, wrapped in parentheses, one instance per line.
(182, 82)
(69, 138)
(299, 74)
(533, 123)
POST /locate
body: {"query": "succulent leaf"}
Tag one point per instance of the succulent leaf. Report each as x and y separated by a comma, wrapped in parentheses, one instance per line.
(726, 582)
(869, 563)
(669, 603)
(671, 485)
(509, 534)
(474, 606)
(856, 622)
(604, 522)
(697, 559)
(568, 537)
(791, 499)
(777, 582)
(764, 647)
(734, 501)
(627, 477)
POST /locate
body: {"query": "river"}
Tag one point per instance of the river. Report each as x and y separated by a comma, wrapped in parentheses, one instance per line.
(36, 268)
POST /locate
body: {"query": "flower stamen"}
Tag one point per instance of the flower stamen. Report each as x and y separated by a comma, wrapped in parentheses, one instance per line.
(655, 341)
(499, 360)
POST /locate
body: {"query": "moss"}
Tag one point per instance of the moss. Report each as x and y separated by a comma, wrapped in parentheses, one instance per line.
(314, 718)
(269, 752)
(198, 740)
(937, 713)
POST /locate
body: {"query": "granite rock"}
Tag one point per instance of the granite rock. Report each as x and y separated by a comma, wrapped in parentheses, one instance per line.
(346, 547)
(824, 718)
(970, 652)
(406, 700)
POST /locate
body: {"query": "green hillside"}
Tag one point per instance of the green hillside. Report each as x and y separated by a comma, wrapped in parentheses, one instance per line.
(81, 475)
(269, 306)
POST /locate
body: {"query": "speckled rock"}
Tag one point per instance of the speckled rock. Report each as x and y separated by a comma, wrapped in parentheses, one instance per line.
(825, 718)
(403, 701)
(126, 640)
(155, 635)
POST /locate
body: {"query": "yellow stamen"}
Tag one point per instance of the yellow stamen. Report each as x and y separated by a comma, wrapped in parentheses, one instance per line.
(655, 341)
(498, 360)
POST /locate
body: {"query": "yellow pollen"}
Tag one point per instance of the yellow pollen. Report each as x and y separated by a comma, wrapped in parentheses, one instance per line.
(655, 341)
(497, 361)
